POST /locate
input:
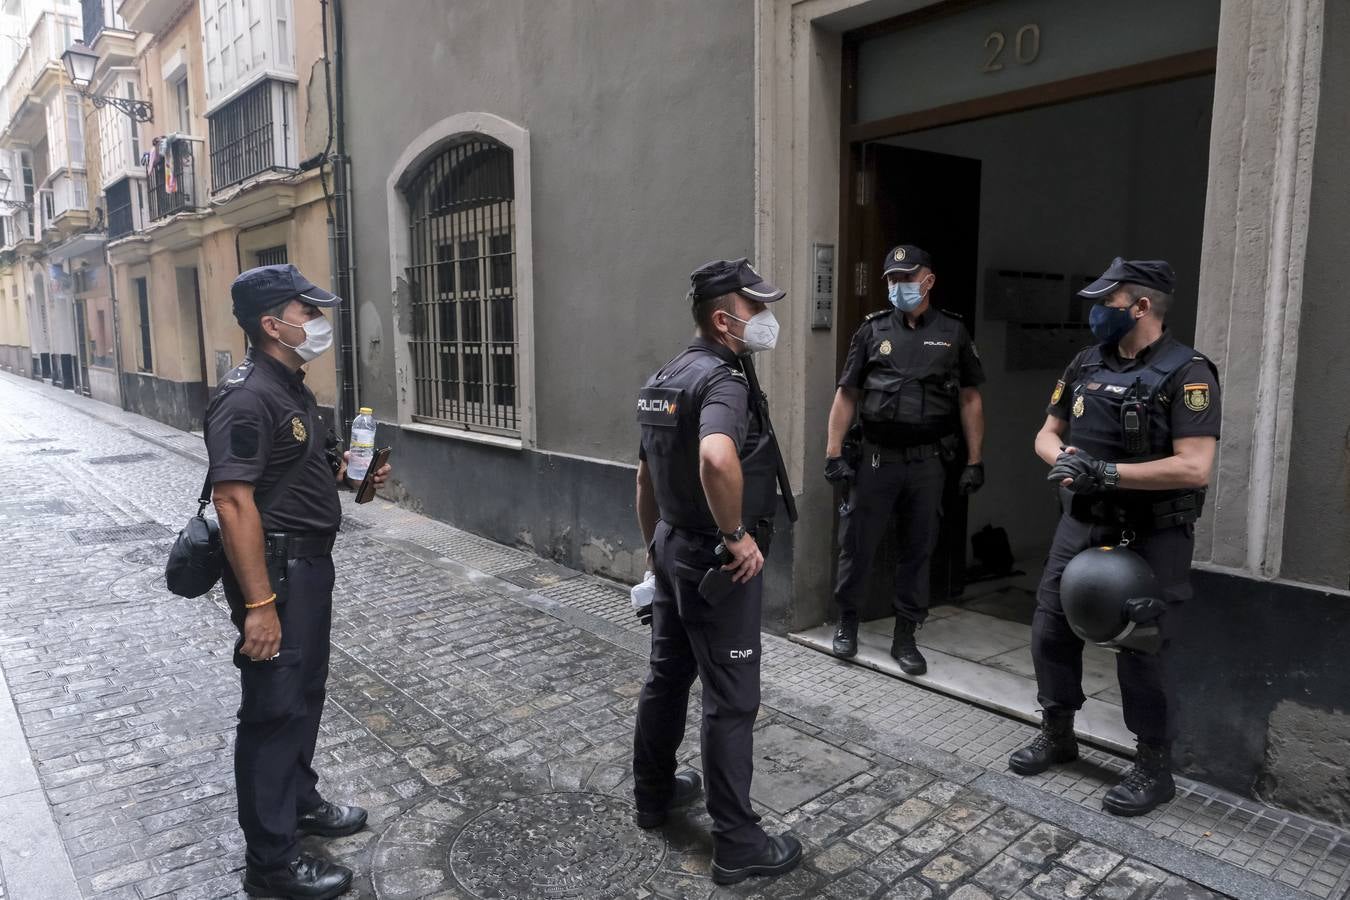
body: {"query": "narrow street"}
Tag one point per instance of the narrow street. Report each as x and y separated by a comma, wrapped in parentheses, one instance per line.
(480, 706)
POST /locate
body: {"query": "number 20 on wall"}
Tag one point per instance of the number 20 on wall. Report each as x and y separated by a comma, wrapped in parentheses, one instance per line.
(1026, 47)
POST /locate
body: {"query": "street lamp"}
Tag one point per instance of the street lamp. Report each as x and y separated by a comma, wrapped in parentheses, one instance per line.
(80, 64)
(5, 202)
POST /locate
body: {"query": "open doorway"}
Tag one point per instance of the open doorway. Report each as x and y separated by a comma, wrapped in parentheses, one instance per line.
(1018, 211)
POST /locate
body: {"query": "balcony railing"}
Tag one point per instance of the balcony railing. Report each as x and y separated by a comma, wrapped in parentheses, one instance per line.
(179, 194)
(253, 134)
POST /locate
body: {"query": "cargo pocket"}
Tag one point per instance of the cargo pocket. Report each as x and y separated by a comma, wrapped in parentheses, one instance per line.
(272, 689)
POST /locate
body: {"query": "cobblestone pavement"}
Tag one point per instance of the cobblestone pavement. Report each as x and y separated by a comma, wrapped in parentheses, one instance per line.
(481, 705)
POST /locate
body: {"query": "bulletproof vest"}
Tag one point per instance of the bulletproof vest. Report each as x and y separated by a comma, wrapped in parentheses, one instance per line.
(911, 385)
(1125, 416)
(668, 412)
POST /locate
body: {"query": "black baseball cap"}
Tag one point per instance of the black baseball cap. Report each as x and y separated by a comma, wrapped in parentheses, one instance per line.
(1152, 273)
(266, 286)
(723, 276)
(905, 258)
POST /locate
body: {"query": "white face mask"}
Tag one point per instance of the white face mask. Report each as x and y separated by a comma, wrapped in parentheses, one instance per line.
(761, 332)
(318, 337)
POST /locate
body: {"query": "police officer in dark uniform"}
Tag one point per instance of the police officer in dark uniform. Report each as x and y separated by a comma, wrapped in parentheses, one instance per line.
(912, 377)
(706, 481)
(275, 492)
(1130, 436)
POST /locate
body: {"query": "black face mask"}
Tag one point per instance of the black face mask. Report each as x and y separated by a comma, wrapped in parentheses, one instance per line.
(1110, 324)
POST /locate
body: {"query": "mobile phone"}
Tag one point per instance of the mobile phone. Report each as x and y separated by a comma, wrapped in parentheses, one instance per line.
(718, 583)
(366, 492)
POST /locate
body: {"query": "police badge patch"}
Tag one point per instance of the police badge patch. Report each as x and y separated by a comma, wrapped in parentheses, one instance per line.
(1059, 392)
(885, 347)
(298, 429)
(1078, 407)
(899, 254)
(1197, 397)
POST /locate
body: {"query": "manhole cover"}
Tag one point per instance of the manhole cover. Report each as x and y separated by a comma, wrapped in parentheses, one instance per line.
(149, 556)
(562, 845)
(118, 534)
(122, 458)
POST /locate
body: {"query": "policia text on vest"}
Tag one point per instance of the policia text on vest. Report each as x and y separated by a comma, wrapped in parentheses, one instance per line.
(708, 476)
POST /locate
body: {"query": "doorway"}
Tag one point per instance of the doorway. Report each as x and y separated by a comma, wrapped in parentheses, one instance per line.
(1018, 210)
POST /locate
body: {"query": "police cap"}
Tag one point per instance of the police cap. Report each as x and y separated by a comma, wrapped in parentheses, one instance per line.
(266, 286)
(1151, 273)
(723, 276)
(905, 259)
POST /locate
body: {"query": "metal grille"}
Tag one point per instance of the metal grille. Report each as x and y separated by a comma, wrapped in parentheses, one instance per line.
(462, 277)
(121, 221)
(120, 458)
(273, 256)
(251, 134)
(179, 193)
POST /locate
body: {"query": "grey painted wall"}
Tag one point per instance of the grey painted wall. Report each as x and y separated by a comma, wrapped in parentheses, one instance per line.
(1317, 534)
(641, 134)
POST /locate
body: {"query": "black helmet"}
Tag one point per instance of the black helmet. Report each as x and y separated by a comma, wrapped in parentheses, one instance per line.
(1096, 591)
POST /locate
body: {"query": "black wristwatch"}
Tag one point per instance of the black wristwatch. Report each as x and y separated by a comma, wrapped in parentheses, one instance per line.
(733, 536)
(1110, 477)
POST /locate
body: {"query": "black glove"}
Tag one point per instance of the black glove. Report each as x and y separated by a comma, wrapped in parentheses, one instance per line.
(972, 479)
(837, 470)
(1088, 475)
(644, 615)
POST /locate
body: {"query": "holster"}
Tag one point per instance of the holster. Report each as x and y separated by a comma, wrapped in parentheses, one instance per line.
(762, 532)
(278, 558)
(1170, 512)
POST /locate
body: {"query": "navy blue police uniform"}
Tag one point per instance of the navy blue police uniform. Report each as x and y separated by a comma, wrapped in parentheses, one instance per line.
(1125, 410)
(261, 429)
(704, 391)
(910, 376)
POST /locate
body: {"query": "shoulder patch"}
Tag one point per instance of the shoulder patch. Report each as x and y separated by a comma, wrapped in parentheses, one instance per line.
(876, 315)
(954, 315)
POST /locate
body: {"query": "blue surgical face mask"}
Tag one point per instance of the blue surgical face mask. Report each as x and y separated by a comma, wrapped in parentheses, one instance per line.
(1110, 324)
(905, 296)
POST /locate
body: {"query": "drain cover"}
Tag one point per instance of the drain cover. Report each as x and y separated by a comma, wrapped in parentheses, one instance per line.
(123, 458)
(146, 531)
(564, 845)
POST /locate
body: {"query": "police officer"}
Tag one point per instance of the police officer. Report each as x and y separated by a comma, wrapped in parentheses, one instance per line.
(275, 493)
(912, 376)
(1130, 436)
(706, 479)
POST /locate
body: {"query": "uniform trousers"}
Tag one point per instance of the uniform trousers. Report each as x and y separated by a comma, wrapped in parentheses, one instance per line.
(720, 644)
(1145, 686)
(279, 712)
(914, 488)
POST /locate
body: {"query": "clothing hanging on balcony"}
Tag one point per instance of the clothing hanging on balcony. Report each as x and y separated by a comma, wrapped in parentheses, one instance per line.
(171, 166)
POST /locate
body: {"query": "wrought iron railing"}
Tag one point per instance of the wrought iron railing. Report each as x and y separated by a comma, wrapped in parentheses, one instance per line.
(252, 134)
(179, 193)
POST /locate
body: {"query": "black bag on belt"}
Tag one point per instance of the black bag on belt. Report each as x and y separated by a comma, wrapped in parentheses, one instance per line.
(197, 557)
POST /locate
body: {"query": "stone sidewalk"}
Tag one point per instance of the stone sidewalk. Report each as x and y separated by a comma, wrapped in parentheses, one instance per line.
(481, 704)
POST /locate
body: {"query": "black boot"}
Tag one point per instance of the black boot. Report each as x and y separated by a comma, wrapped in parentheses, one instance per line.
(905, 651)
(688, 788)
(846, 636)
(304, 878)
(780, 855)
(1145, 786)
(1055, 744)
(331, 820)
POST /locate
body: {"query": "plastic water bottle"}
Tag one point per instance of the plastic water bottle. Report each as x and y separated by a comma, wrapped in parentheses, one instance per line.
(362, 445)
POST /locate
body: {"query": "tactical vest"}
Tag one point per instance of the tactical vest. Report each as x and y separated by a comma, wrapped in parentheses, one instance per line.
(668, 411)
(1125, 416)
(912, 388)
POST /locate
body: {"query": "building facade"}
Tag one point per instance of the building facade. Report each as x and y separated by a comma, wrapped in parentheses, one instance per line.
(528, 202)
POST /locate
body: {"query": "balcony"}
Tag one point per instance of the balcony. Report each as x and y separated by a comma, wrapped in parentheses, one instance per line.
(147, 15)
(126, 207)
(181, 193)
(253, 134)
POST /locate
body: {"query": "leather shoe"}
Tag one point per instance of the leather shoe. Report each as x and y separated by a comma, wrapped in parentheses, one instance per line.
(782, 855)
(846, 638)
(688, 788)
(331, 820)
(303, 878)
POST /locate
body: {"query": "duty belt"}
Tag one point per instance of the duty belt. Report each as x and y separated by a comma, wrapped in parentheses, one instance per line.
(298, 544)
(876, 454)
(1169, 512)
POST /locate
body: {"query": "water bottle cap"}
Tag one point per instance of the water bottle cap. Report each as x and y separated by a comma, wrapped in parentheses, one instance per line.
(367, 411)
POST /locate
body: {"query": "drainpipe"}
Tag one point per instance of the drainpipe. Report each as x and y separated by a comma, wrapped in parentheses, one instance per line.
(339, 223)
(117, 325)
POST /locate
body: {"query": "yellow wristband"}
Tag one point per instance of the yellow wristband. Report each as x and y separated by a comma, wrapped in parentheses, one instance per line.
(260, 603)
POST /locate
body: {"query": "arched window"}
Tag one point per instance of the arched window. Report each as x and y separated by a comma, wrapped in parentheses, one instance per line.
(461, 271)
